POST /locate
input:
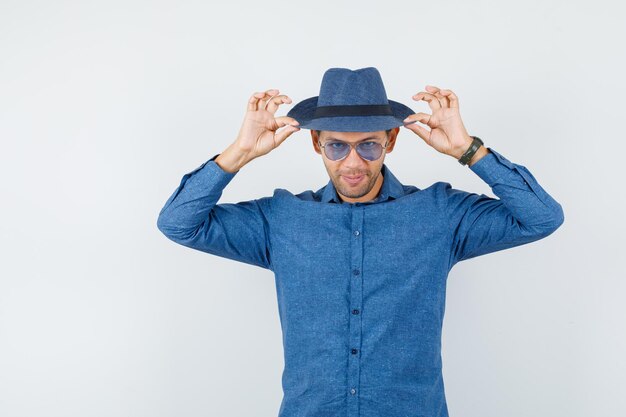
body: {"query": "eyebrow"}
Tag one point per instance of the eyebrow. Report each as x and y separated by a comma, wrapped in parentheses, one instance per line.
(361, 140)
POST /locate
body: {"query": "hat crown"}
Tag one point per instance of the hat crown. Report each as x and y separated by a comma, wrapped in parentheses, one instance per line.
(350, 101)
(345, 87)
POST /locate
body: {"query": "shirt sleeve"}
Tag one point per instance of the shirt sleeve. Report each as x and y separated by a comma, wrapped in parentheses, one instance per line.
(192, 217)
(524, 212)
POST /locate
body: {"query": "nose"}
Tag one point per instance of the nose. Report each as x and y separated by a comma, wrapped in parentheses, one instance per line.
(354, 160)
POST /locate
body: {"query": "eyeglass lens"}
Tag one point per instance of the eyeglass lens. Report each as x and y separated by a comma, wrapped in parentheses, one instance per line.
(367, 150)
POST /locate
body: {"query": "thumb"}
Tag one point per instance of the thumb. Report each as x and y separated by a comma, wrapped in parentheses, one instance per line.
(419, 131)
(280, 137)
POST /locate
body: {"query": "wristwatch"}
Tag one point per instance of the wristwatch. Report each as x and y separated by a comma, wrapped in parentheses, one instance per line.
(467, 156)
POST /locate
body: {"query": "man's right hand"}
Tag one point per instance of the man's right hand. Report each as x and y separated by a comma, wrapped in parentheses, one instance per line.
(258, 134)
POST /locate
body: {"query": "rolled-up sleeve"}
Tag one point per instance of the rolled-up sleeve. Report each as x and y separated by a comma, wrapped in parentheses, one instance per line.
(523, 213)
(192, 217)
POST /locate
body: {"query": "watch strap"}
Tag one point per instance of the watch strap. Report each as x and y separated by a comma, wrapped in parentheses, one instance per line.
(467, 156)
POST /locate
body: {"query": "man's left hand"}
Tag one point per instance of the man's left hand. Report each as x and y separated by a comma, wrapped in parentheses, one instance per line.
(447, 133)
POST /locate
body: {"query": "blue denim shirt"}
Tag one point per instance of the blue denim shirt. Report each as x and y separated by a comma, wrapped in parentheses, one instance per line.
(361, 286)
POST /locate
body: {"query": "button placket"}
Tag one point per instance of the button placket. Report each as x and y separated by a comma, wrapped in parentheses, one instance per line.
(356, 300)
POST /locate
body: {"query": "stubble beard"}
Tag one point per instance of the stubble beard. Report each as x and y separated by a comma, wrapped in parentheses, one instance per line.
(352, 192)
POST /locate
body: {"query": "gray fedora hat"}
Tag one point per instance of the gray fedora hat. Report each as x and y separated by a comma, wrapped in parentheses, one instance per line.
(350, 101)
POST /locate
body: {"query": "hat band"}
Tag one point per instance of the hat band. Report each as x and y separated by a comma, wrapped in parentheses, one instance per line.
(353, 110)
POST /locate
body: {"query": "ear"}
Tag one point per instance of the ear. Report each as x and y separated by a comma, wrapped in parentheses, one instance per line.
(392, 139)
(314, 139)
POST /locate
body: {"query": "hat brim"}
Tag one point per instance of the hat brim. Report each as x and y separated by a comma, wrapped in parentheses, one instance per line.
(303, 112)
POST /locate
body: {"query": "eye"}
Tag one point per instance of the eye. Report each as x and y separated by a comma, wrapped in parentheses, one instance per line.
(368, 144)
(336, 145)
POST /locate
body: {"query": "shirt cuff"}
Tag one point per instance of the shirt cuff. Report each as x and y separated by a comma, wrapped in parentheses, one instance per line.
(492, 167)
(210, 169)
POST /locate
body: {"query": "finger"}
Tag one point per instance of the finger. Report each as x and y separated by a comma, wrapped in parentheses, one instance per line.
(269, 94)
(276, 101)
(418, 117)
(254, 102)
(454, 101)
(431, 99)
(435, 103)
(280, 137)
(443, 100)
(286, 120)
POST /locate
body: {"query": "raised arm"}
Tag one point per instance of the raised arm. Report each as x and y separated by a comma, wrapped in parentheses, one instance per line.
(191, 215)
(524, 212)
(480, 224)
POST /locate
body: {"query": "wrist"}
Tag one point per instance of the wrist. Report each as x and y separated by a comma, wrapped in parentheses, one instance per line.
(232, 159)
(482, 151)
(471, 152)
(457, 152)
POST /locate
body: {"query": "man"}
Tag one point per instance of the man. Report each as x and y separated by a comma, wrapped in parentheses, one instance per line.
(361, 264)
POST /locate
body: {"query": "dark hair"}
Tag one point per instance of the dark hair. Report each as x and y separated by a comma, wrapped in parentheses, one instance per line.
(386, 132)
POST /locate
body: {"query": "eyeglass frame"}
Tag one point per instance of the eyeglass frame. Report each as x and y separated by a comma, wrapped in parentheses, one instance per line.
(352, 146)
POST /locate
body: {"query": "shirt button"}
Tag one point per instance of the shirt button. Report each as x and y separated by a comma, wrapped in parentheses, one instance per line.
(356, 272)
(355, 311)
(354, 351)
(356, 233)
(352, 391)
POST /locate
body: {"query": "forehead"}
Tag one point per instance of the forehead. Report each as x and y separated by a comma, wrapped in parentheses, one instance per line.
(352, 137)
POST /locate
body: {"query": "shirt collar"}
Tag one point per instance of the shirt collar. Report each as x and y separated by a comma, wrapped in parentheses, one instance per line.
(391, 189)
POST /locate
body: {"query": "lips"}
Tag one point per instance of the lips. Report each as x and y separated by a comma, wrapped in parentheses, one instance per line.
(353, 180)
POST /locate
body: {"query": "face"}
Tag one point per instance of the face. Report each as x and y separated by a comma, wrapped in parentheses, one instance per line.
(355, 179)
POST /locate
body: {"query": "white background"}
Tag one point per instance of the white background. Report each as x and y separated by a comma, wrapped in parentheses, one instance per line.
(105, 105)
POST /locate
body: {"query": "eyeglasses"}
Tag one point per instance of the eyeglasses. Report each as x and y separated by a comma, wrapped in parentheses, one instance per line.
(337, 150)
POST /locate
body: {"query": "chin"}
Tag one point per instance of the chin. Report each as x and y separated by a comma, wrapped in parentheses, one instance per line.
(354, 192)
(354, 195)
